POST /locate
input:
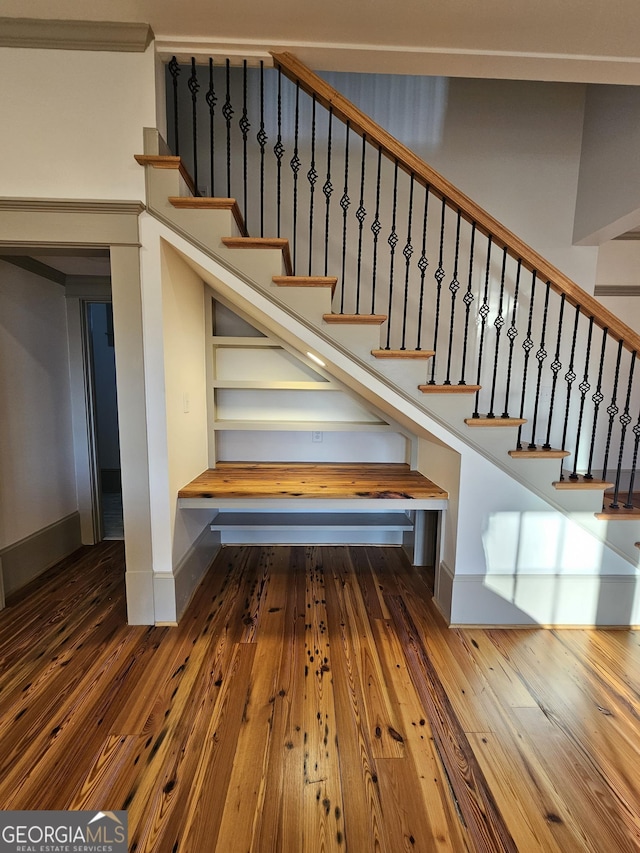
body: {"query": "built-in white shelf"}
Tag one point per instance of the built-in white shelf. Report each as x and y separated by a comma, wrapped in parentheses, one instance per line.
(304, 426)
(344, 521)
(246, 342)
(278, 385)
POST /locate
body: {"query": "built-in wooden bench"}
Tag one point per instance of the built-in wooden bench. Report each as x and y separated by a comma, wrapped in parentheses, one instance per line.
(318, 496)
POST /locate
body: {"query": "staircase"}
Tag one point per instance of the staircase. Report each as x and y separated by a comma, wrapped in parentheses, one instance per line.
(483, 576)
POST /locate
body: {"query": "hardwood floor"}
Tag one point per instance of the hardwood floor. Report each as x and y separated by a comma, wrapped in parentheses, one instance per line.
(310, 700)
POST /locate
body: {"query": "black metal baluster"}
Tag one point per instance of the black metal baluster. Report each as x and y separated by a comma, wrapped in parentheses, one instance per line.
(295, 168)
(360, 216)
(211, 103)
(245, 127)
(612, 411)
(439, 276)
(454, 286)
(527, 346)
(376, 228)
(556, 367)
(278, 150)
(584, 387)
(570, 378)
(512, 334)
(227, 112)
(468, 300)
(597, 399)
(634, 464)
(327, 189)
(423, 263)
(312, 177)
(262, 142)
(541, 356)
(498, 323)
(174, 70)
(393, 242)
(194, 86)
(345, 201)
(625, 420)
(407, 252)
(483, 311)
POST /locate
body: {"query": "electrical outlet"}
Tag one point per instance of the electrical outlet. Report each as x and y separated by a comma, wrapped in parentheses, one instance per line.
(316, 436)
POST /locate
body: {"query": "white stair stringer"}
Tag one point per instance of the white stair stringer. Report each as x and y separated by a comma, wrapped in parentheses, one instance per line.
(514, 550)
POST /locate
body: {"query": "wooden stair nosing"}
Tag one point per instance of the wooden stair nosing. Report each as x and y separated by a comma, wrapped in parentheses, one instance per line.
(167, 161)
(306, 281)
(402, 353)
(622, 514)
(539, 453)
(449, 389)
(280, 243)
(355, 319)
(495, 422)
(581, 484)
(211, 203)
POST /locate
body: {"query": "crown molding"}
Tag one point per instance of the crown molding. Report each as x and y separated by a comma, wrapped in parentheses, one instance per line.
(75, 35)
(616, 290)
(71, 205)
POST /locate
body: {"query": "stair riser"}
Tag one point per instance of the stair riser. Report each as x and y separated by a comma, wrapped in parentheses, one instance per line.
(307, 301)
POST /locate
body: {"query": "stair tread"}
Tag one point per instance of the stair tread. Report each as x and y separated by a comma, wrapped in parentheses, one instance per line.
(495, 422)
(539, 453)
(210, 203)
(167, 161)
(403, 353)
(306, 281)
(280, 243)
(449, 389)
(620, 514)
(580, 484)
(356, 319)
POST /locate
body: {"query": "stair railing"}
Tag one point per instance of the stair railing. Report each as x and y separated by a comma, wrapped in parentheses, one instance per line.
(305, 163)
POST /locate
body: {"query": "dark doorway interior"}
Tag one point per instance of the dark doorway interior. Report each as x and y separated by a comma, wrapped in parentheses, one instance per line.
(100, 323)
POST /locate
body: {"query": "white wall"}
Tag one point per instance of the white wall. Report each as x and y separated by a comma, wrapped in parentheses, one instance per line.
(72, 121)
(608, 200)
(37, 483)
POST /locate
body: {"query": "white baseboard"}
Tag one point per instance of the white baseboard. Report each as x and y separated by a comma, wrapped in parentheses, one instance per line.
(25, 560)
(172, 591)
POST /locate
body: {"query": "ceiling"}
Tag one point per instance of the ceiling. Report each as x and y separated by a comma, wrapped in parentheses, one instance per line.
(576, 40)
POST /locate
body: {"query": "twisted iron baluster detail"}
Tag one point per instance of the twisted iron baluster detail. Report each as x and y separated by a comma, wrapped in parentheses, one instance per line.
(278, 150)
(512, 334)
(360, 216)
(597, 399)
(227, 112)
(295, 168)
(634, 464)
(194, 86)
(454, 286)
(262, 142)
(376, 228)
(407, 252)
(211, 100)
(312, 177)
(527, 346)
(393, 242)
(584, 387)
(345, 202)
(541, 356)
(570, 378)
(556, 367)
(468, 300)
(625, 420)
(423, 263)
(612, 411)
(327, 189)
(483, 311)
(498, 323)
(245, 127)
(174, 70)
(439, 276)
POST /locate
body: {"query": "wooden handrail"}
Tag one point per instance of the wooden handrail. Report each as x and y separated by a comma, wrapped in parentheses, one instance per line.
(361, 124)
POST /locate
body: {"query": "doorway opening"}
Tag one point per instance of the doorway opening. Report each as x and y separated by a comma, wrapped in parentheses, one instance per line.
(105, 417)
